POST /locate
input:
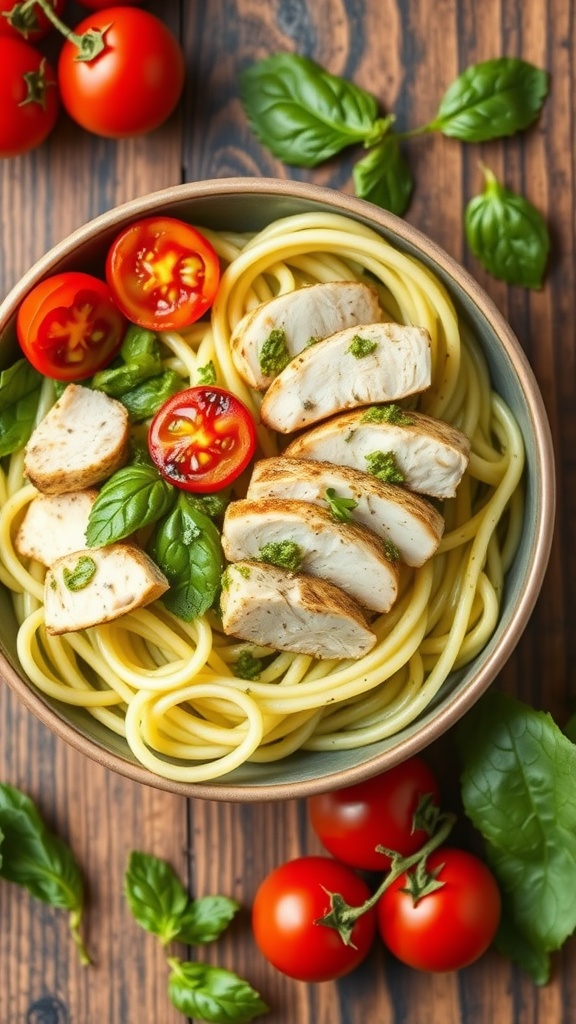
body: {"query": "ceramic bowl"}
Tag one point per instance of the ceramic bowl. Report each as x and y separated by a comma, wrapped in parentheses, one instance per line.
(249, 204)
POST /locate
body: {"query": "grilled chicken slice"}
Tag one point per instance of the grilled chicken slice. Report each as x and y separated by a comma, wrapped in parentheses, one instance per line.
(292, 320)
(292, 612)
(431, 455)
(406, 520)
(55, 525)
(358, 366)
(83, 439)
(307, 538)
(97, 585)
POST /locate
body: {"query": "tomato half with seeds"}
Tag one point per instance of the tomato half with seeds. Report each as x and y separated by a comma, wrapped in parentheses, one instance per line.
(164, 274)
(68, 326)
(202, 438)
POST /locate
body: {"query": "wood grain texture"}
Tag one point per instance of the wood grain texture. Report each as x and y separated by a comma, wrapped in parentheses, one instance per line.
(406, 52)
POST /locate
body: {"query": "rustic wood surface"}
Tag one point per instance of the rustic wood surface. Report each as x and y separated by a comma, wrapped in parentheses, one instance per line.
(406, 52)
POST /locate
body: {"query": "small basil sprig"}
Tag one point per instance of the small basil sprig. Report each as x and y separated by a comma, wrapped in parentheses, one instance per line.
(131, 498)
(19, 397)
(35, 858)
(160, 904)
(383, 177)
(302, 113)
(507, 234)
(186, 547)
(518, 791)
(212, 994)
(137, 378)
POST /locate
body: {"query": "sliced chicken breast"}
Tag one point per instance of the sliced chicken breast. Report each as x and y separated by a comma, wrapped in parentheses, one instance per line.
(430, 455)
(287, 612)
(306, 538)
(55, 525)
(272, 333)
(404, 519)
(358, 366)
(97, 585)
(83, 439)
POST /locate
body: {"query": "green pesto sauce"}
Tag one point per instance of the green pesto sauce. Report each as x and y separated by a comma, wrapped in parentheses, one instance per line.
(387, 414)
(286, 554)
(274, 354)
(80, 576)
(247, 666)
(361, 347)
(384, 467)
(390, 550)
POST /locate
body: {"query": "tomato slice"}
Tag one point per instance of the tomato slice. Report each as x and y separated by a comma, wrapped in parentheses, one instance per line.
(202, 438)
(68, 326)
(163, 273)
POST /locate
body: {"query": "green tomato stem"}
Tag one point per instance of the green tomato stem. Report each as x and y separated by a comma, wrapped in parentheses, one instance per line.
(342, 917)
(89, 44)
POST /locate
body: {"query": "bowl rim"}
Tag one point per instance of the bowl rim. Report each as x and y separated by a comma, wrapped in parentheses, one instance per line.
(362, 210)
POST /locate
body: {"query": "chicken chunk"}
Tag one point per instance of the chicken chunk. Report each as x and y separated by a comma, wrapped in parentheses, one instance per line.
(358, 366)
(299, 613)
(55, 525)
(97, 585)
(83, 439)
(306, 538)
(286, 324)
(423, 453)
(404, 519)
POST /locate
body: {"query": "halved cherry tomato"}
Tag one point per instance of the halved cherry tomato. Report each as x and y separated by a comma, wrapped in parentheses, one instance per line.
(68, 326)
(202, 438)
(163, 273)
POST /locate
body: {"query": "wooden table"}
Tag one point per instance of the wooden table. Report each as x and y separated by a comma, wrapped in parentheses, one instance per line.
(406, 52)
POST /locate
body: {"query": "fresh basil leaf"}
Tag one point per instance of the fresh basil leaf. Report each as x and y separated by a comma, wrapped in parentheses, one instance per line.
(186, 547)
(340, 508)
(155, 895)
(133, 497)
(507, 235)
(19, 396)
(116, 380)
(518, 791)
(492, 99)
(212, 994)
(383, 177)
(140, 345)
(35, 858)
(514, 945)
(302, 113)
(144, 400)
(205, 919)
(570, 729)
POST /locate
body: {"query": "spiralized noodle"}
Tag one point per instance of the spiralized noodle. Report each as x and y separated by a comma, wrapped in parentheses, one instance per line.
(169, 687)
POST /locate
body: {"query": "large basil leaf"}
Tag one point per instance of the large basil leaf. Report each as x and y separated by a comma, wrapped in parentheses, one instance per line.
(518, 790)
(492, 99)
(186, 547)
(507, 235)
(212, 993)
(133, 497)
(155, 895)
(19, 396)
(383, 177)
(302, 113)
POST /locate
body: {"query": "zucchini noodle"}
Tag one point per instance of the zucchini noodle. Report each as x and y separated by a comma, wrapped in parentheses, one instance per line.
(169, 687)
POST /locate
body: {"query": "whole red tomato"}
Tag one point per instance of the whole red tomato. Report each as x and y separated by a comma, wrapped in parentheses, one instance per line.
(446, 929)
(29, 97)
(352, 822)
(32, 24)
(287, 906)
(133, 84)
(68, 326)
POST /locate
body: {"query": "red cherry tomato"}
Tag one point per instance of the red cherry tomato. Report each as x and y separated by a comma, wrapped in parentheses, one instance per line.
(29, 97)
(285, 913)
(133, 85)
(163, 273)
(202, 438)
(32, 24)
(352, 822)
(450, 927)
(68, 326)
